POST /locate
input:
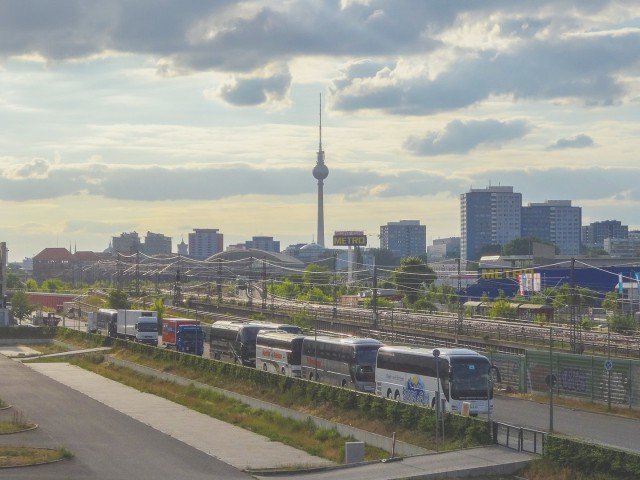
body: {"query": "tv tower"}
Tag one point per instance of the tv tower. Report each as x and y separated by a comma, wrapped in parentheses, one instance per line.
(320, 172)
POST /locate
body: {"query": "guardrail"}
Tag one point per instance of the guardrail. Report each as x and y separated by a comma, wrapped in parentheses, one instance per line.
(519, 438)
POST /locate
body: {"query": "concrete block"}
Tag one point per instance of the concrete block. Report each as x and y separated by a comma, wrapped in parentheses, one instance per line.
(353, 452)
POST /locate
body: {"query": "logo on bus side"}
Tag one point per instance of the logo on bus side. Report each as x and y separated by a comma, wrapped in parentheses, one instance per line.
(414, 391)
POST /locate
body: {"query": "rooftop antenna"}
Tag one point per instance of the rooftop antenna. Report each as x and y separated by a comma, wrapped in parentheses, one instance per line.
(320, 125)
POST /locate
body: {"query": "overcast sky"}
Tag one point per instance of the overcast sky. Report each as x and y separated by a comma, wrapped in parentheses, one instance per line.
(164, 116)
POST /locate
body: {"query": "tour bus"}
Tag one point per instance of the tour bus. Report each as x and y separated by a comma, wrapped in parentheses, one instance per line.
(343, 361)
(280, 352)
(107, 322)
(236, 340)
(409, 374)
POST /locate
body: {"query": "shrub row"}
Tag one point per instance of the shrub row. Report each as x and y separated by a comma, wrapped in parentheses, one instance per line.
(23, 331)
(589, 458)
(469, 431)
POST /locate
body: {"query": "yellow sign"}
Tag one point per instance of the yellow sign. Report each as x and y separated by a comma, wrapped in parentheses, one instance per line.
(349, 240)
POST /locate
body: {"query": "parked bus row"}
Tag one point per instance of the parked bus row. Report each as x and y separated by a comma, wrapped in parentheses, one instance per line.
(417, 375)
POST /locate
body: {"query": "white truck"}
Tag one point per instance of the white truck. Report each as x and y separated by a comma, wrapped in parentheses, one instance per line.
(138, 325)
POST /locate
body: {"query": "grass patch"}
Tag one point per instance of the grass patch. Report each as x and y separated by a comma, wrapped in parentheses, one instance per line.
(47, 348)
(17, 423)
(22, 456)
(544, 469)
(302, 435)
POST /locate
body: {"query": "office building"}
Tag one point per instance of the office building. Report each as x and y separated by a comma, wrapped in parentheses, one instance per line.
(406, 238)
(489, 216)
(622, 247)
(205, 242)
(444, 248)
(555, 221)
(268, 244)
(593, 235)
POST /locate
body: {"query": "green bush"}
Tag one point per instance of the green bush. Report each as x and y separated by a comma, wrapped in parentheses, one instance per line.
(27, 332)
(590, 458)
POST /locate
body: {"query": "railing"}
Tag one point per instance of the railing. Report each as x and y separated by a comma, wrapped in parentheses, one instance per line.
(519, 438)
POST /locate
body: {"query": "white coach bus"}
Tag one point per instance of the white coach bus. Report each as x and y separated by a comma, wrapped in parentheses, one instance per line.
(411, 374)
(348, 362)
(279, 352)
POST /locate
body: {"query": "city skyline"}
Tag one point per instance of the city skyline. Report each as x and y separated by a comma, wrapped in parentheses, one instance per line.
(120, 117)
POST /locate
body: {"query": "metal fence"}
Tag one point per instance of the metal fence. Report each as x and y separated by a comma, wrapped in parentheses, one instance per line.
(580, 376)
(519, 438)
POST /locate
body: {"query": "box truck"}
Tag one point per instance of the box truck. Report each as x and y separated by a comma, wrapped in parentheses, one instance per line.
(183, 334)
(138, 325)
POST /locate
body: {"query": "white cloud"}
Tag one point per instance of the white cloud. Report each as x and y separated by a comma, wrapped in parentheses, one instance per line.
(579, 141)
(464, 136)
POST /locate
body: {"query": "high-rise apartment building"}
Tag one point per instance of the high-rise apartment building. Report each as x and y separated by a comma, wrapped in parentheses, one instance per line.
(488, 216)
(204, 242)
(555, 221)
(405, 238)
(593, 235)
(444, 248)
(156, 244)
(268, 244)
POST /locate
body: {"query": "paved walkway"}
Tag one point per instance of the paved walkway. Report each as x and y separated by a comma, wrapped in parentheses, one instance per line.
(231, 444)
(473, 462)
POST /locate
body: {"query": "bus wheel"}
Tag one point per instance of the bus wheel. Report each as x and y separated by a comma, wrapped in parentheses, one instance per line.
(344, 384)
(433, 402)
(311, 376)
(264, 367)
(397, 396)
(283, 371)
(389, 393)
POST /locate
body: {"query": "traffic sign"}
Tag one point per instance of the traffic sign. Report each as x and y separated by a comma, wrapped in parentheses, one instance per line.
(608, 365)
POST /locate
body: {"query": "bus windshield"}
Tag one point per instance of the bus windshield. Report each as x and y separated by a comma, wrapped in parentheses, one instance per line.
(469, 378)
(366, 355)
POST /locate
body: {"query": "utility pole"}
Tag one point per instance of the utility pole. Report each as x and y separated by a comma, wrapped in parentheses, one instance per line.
(374, 297)
(573, 338)
(249, 291)
(138, 272)
(335, 289)
(264, 285)
(219, 283)
(460, 312)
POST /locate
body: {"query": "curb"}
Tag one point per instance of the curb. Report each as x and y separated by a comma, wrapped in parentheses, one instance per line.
(6, 407)
(2, 467)
(275, 472)
(35, 425)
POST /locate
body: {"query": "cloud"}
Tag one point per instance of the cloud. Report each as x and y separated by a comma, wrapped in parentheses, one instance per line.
(584, 68)
(463, 136)
(579, 141)
(251, 91)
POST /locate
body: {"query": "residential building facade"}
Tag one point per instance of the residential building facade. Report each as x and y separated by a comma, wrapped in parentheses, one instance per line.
(622, 247)
(488, 216)
(127, 243)
(205, 242)
(157, 244)
(593, 235)
(555, 221)
(444, 248)
(268, 244)
(405, 238)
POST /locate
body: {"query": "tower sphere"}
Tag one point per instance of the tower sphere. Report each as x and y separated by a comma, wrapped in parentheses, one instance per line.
(320, 171)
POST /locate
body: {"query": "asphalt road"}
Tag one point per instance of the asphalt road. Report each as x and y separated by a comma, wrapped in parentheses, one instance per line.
(601, 428)
(105, 443)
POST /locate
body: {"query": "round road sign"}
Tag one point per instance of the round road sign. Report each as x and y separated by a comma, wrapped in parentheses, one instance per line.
(608, 365)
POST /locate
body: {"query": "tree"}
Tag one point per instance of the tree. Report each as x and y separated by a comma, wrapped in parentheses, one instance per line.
(502, 309)
(21, 306)
(316, 276)
(384, 257)
(158, 306)
(411, 276)
(611, 302)
(32, 285)
(494, 249)
(118, 299)
(524, 246)
(13, 281)
(622, 323)
(53, 285)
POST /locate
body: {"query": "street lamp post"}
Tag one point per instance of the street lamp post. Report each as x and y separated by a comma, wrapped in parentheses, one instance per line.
(551, 378)
(436, 355)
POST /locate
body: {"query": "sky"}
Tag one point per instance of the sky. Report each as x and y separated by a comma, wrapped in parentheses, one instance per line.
(165, 116)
